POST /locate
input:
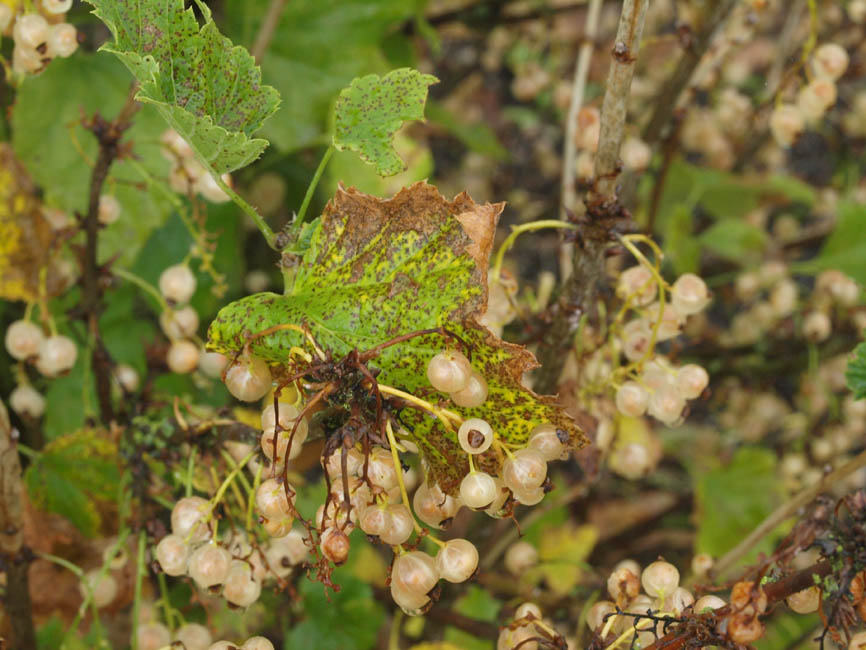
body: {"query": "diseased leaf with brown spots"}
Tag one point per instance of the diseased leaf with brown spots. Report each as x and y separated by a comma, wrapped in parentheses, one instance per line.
(376, 269)
(26, 237)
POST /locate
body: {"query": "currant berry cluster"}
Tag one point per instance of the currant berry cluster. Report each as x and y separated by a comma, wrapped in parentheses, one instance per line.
(39, 35)
(191, 636)
(188, 176)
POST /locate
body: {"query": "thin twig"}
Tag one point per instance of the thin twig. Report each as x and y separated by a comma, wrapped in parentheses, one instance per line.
(578, 88)
(783, 512)
(267, 29)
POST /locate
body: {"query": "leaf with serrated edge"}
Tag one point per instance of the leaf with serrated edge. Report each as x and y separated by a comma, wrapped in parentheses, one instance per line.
(855, 375)
(376, 269)
(370, 111)
(207, 89)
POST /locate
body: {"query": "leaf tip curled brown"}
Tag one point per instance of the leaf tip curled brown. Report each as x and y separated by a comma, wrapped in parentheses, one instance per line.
(479, 224)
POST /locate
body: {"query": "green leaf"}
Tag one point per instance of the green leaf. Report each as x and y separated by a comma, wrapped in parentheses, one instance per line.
(377, 269)
(786, 629)
(734, 239)
(476, 136)
(65, 401)
(318, 48)
(845, 248)
(683, 249)
(207, 89)
(478, 604)
(346, 620)
(51, 142)
(73, 475)
(855, 375)
(371, 110)
(732, 499)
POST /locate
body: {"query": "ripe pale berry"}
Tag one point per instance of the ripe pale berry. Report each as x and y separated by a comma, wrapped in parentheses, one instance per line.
(433, 506)
(692, 380)
(374, 520)
(595, 618)
(30, 30)
(502, 494)
(709, 601)
(689, 294)
(400, 525)
(56, 6)
(636, 337)
(212, 364)
(449, 371)
(638, 284)
(272, 502)
(153, 636)
(478, 490)
(660, 579)
(817, 326)
(23, 339)
(525, 470)
(679, 600)
(410, 602)
(457, 560)
(288, 415)
(829, 61)
(528, 611)
(182, 357)
(209, 565)
(194, 636)
(7, 15)
(702, 563)
(786, 124)
(278, 527)
(475, 436)
(210, 189)
(177, 283)
(257, 643)
(546, 440)
(179, 323)
(623, 585)
(334, 544)
(666, 404)
(381, 470)
(671, 321)
(529, 496)
(57, 354)
(415, 572)
(187, 516)
(127, 377)
(249, 379)
(520, 556)
(26, 400)
(474, 394)
(240, 587)
(282, 444)
(109, 208)
(172, 554)
(103, 589)
(632, 399)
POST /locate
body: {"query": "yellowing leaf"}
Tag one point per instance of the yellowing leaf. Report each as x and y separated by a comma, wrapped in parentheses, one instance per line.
(563, 552)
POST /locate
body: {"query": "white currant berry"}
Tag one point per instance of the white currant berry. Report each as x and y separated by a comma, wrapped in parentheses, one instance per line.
(374, 520)
(475, 393)
(660, 579)
(177, 283)
(334, 463)
(26, 400)
(518, 638)
(182, 357)
(415, 572)
(194, 636)
(102, 588)
(240, 588)
(806, 601)
(267, 440)
(23, 338)
(689, 294)
(381, 470)
(623, 585)
(410, 602)
(153, 636)
(679, 600)
(635, 154)
(293, 546)
(520, 557)
(57, 354)
(546, 439)
(636, 337)
(449, 371)
(212, 364)
(638, 284)
(288, 415)
(334, 544)
(597, 615)
(31, 30)
(829, 61)
(502, 494)
(179, 323)
(815, 98)
(786, 124)
(56, 6)
(127, 377)
(692, 380)
(172, 554)
(7, 15)
(249, 379)
(278, 527)
(433, 506)
(223, 645)
(632, 399)
(257, 643)
(529, 496)
(666, 404)
(525, 470)
(109, 209)
(702, 563)
(400, 525)
(709, 601)
(528, 611)
(475, 436)
(210, 189)
(272, 502)
(457, 560)
(209, 565)
(478, 490)
(817, 326)
(671, 321)
(187, 519)
(176, 143)
(26, 59)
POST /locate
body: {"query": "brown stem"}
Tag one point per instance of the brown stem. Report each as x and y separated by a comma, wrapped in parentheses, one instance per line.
(579, 293)
(108, 135)
(666, 101)
(14, 556)
(266, 31)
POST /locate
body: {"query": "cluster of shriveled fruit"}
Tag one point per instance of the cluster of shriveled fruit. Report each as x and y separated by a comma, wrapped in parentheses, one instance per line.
(827, 64)
(39, 36)
(233, 566)
(188, 175)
